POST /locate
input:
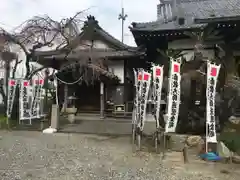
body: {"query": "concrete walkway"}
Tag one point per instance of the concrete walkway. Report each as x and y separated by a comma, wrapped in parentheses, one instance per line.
(90, 124)
(107, 127)
(98, 127)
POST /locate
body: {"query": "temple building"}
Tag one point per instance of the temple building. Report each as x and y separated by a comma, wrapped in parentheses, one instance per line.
(105, 65)
(195, 29)
(199, 30)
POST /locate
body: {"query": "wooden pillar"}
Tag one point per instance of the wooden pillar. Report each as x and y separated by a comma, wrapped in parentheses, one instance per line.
(6, 78)
(102, 100)
(65, 97)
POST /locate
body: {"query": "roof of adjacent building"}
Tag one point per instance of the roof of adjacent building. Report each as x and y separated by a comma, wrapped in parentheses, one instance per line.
(197, 13)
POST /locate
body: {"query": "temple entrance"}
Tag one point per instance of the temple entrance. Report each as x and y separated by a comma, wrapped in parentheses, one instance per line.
(88, 97)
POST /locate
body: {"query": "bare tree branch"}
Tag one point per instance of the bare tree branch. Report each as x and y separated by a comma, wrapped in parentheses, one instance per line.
(42, 31)
(35, 71)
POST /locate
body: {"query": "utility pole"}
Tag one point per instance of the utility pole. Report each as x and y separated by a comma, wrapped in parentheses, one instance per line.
(122, 17)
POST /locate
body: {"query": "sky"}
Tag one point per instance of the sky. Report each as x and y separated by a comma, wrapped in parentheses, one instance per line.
(15, 12)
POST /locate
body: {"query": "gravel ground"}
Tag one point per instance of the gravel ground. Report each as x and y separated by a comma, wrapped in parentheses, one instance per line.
(33, 155)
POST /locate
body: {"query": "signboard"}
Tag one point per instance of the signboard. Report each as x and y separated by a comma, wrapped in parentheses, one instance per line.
(173, 96)
(157, 83)
(212, 75)
(12, 84)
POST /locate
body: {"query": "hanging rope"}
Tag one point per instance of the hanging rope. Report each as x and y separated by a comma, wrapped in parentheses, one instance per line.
(68, 83)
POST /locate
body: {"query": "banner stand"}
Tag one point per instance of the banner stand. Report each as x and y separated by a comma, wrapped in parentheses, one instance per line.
(157, 81)
(173, 100)
(12, 84)
(206, 145)
(212, 76)
(164, 146)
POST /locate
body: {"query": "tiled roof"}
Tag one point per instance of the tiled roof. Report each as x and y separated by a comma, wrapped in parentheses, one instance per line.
(119, 49)
(93, 24)
(192, 10)
(203, 9)
(161, 25)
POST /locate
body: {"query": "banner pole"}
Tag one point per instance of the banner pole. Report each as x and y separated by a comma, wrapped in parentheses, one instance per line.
(164, 134)
(206, 134)
(7, 121)
(206, 145)
(164, 146)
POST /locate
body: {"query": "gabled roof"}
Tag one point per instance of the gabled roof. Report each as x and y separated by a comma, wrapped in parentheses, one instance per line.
(90, 31)
(195, 12)
(92, 26)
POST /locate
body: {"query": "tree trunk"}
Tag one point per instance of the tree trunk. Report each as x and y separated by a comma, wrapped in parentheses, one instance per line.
(27, 65)
(193, 91)
(227, 92)
(183, 122)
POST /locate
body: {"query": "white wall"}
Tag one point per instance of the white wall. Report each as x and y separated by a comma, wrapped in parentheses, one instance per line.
(117, 68)
(97, 44)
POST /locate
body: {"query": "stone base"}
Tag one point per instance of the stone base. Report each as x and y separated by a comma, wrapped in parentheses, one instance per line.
(71, 118)
(236, 159)
(177, 142)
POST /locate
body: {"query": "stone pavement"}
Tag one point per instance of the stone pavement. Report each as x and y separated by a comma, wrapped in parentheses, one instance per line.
(37, 156)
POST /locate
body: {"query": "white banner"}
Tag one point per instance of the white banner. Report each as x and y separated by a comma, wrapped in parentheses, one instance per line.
(157, 85)
(135, 107)
(173, 96)
(36, 99)
(212, 75)
(24, 100)
(12, 84)
(144, 90)
(138, 86)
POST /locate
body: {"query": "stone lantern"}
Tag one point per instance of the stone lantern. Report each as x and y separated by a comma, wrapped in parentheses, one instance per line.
(71, 110)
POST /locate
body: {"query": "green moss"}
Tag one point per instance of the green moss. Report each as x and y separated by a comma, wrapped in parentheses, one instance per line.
(3, 118)
(3, 121)
(231, 140)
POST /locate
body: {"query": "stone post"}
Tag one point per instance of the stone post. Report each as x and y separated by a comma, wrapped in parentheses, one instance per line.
(65, 97)
(55, 116)
(102, 100)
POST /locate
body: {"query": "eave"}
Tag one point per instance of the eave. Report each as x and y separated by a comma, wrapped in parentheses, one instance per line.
(55, 59)
(95, 54)
(216, 19)
(103, 74)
